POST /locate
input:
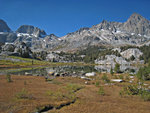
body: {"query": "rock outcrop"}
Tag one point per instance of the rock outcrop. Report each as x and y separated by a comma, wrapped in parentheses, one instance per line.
(23, 50)
(131, 52)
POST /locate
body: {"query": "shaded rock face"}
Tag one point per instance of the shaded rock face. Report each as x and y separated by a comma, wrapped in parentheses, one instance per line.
(7, 37)
(8, 47)
(31, 30)
(4, 27)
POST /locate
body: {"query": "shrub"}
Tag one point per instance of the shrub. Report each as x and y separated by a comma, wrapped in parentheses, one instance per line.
(97, 83)
(143, 73)
(127, 78)
(145, 95)
(117, 68)
(24, 94)
(121, 76)
(8, 77)
(101, 91)
(111, 71)
(134, 90)
(105, 78)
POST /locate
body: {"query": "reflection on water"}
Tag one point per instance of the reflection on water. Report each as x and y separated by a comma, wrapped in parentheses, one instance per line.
(79, 70)
(123, 68)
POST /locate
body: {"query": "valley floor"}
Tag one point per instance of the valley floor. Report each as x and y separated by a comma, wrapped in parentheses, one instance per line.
(23, 94)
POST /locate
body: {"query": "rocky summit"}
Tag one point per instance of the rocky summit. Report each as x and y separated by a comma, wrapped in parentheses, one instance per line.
(4, 27)
(135, 31)
(28, 29)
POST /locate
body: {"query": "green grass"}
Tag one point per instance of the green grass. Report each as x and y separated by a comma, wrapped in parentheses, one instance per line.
(28, 62)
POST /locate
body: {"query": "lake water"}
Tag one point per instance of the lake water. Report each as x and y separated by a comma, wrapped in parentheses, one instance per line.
(78, 70)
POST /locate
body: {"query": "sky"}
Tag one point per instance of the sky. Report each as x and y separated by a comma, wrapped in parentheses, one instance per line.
(60, 17)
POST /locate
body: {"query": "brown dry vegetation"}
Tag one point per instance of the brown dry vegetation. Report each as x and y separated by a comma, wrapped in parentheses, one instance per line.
(87, 99)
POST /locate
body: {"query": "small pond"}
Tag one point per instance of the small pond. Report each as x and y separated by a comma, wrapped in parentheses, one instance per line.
(78, 70)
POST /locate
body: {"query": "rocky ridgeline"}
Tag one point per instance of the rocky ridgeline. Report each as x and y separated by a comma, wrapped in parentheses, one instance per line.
(135, 31)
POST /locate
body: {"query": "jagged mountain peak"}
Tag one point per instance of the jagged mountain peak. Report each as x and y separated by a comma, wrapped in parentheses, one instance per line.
(137, 24)
(136, 18)
(29, 29)
(3, 26)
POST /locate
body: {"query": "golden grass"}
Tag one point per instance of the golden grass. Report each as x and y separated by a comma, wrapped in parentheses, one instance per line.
(88, 100)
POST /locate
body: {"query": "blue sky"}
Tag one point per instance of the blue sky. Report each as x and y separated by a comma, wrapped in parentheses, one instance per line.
(63, 16)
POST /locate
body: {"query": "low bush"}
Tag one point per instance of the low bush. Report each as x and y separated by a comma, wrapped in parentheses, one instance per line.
(145, 95)
(8, 78)
(97, 83)
(134, 90)
(101, 91)
(105, 78)
(24, 94)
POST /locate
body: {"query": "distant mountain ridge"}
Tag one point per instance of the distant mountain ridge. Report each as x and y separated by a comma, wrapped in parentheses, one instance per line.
(135, 31)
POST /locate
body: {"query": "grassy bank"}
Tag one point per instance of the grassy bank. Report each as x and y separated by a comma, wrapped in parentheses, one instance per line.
(15, 62)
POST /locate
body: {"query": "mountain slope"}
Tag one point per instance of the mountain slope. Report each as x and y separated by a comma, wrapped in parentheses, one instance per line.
(135, 31)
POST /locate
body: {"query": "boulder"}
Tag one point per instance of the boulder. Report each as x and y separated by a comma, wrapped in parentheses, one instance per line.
(90, 74)
(116, 80)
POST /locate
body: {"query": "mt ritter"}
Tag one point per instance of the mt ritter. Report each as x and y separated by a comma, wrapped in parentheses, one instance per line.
(135, 31)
